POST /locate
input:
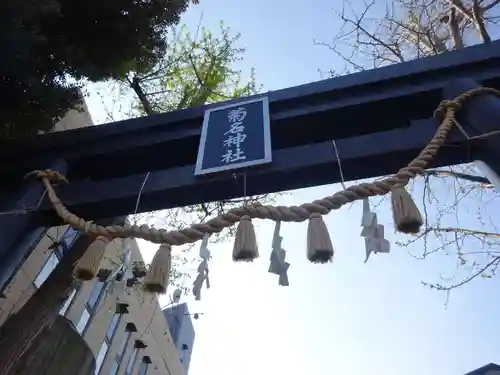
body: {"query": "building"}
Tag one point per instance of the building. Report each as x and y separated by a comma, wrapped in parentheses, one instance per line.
(123, 326)
(182, 331)
(489, 369)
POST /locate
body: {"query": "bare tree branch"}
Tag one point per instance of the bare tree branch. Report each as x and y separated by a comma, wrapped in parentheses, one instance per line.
(411, 29)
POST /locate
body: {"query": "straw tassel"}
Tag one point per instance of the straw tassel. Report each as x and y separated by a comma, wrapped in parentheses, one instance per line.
(245, 244)
(319, 245)
(157, 276)
(405, 212)
(88, 265)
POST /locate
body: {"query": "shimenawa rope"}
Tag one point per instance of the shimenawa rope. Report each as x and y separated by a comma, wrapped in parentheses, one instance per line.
(445, 112)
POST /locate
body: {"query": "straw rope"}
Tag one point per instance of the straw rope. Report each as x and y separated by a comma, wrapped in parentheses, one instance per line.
(445, 112)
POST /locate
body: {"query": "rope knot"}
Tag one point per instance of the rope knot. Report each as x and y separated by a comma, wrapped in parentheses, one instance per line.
(445, 106)
(53, 176)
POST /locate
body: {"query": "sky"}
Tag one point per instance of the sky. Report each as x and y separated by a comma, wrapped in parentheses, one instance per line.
(346, 317)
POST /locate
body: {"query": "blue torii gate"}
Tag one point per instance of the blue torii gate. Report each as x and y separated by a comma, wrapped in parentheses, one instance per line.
(380, 119)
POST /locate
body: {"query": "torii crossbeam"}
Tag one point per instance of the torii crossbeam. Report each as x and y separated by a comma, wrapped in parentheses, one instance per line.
(380, 119)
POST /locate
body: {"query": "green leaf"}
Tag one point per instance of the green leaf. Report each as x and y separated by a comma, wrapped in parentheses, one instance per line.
(196, 72)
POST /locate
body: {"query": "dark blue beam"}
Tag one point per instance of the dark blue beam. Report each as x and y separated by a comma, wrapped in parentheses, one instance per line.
(478, 62)
(376, 100)
(297, 167)
(371, 115)
(480, 120)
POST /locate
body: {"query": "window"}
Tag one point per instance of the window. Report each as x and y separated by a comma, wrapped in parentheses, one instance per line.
(67, 303)
(183, 351)
(100, 357)
(66, 241)
(68, 238)
(113, 325)
(46, 270)
(123, 346)
(131, 361)
(143, 368)
(114, 368)
(95, 295)
(106, 343)
(90, 307)
(82, 323)
(121, 350)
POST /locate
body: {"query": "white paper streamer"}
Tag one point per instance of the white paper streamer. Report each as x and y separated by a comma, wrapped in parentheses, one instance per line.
(278, 265)
(202, 275)
(373, 232)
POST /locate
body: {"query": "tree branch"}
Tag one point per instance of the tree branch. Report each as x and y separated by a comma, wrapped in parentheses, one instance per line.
(489, 6)
(471, 277)
(135, 84)
(479, 22)
(470, 232)
(483, 181)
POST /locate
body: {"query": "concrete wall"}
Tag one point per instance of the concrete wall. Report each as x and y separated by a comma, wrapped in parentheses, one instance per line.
(74, 118)
(144, 313)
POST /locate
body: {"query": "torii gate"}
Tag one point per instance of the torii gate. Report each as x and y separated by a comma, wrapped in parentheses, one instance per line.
(380, 119)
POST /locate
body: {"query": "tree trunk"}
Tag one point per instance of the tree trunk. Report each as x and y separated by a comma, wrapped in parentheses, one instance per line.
(135, 84)
(58, 350)
(41, 310)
